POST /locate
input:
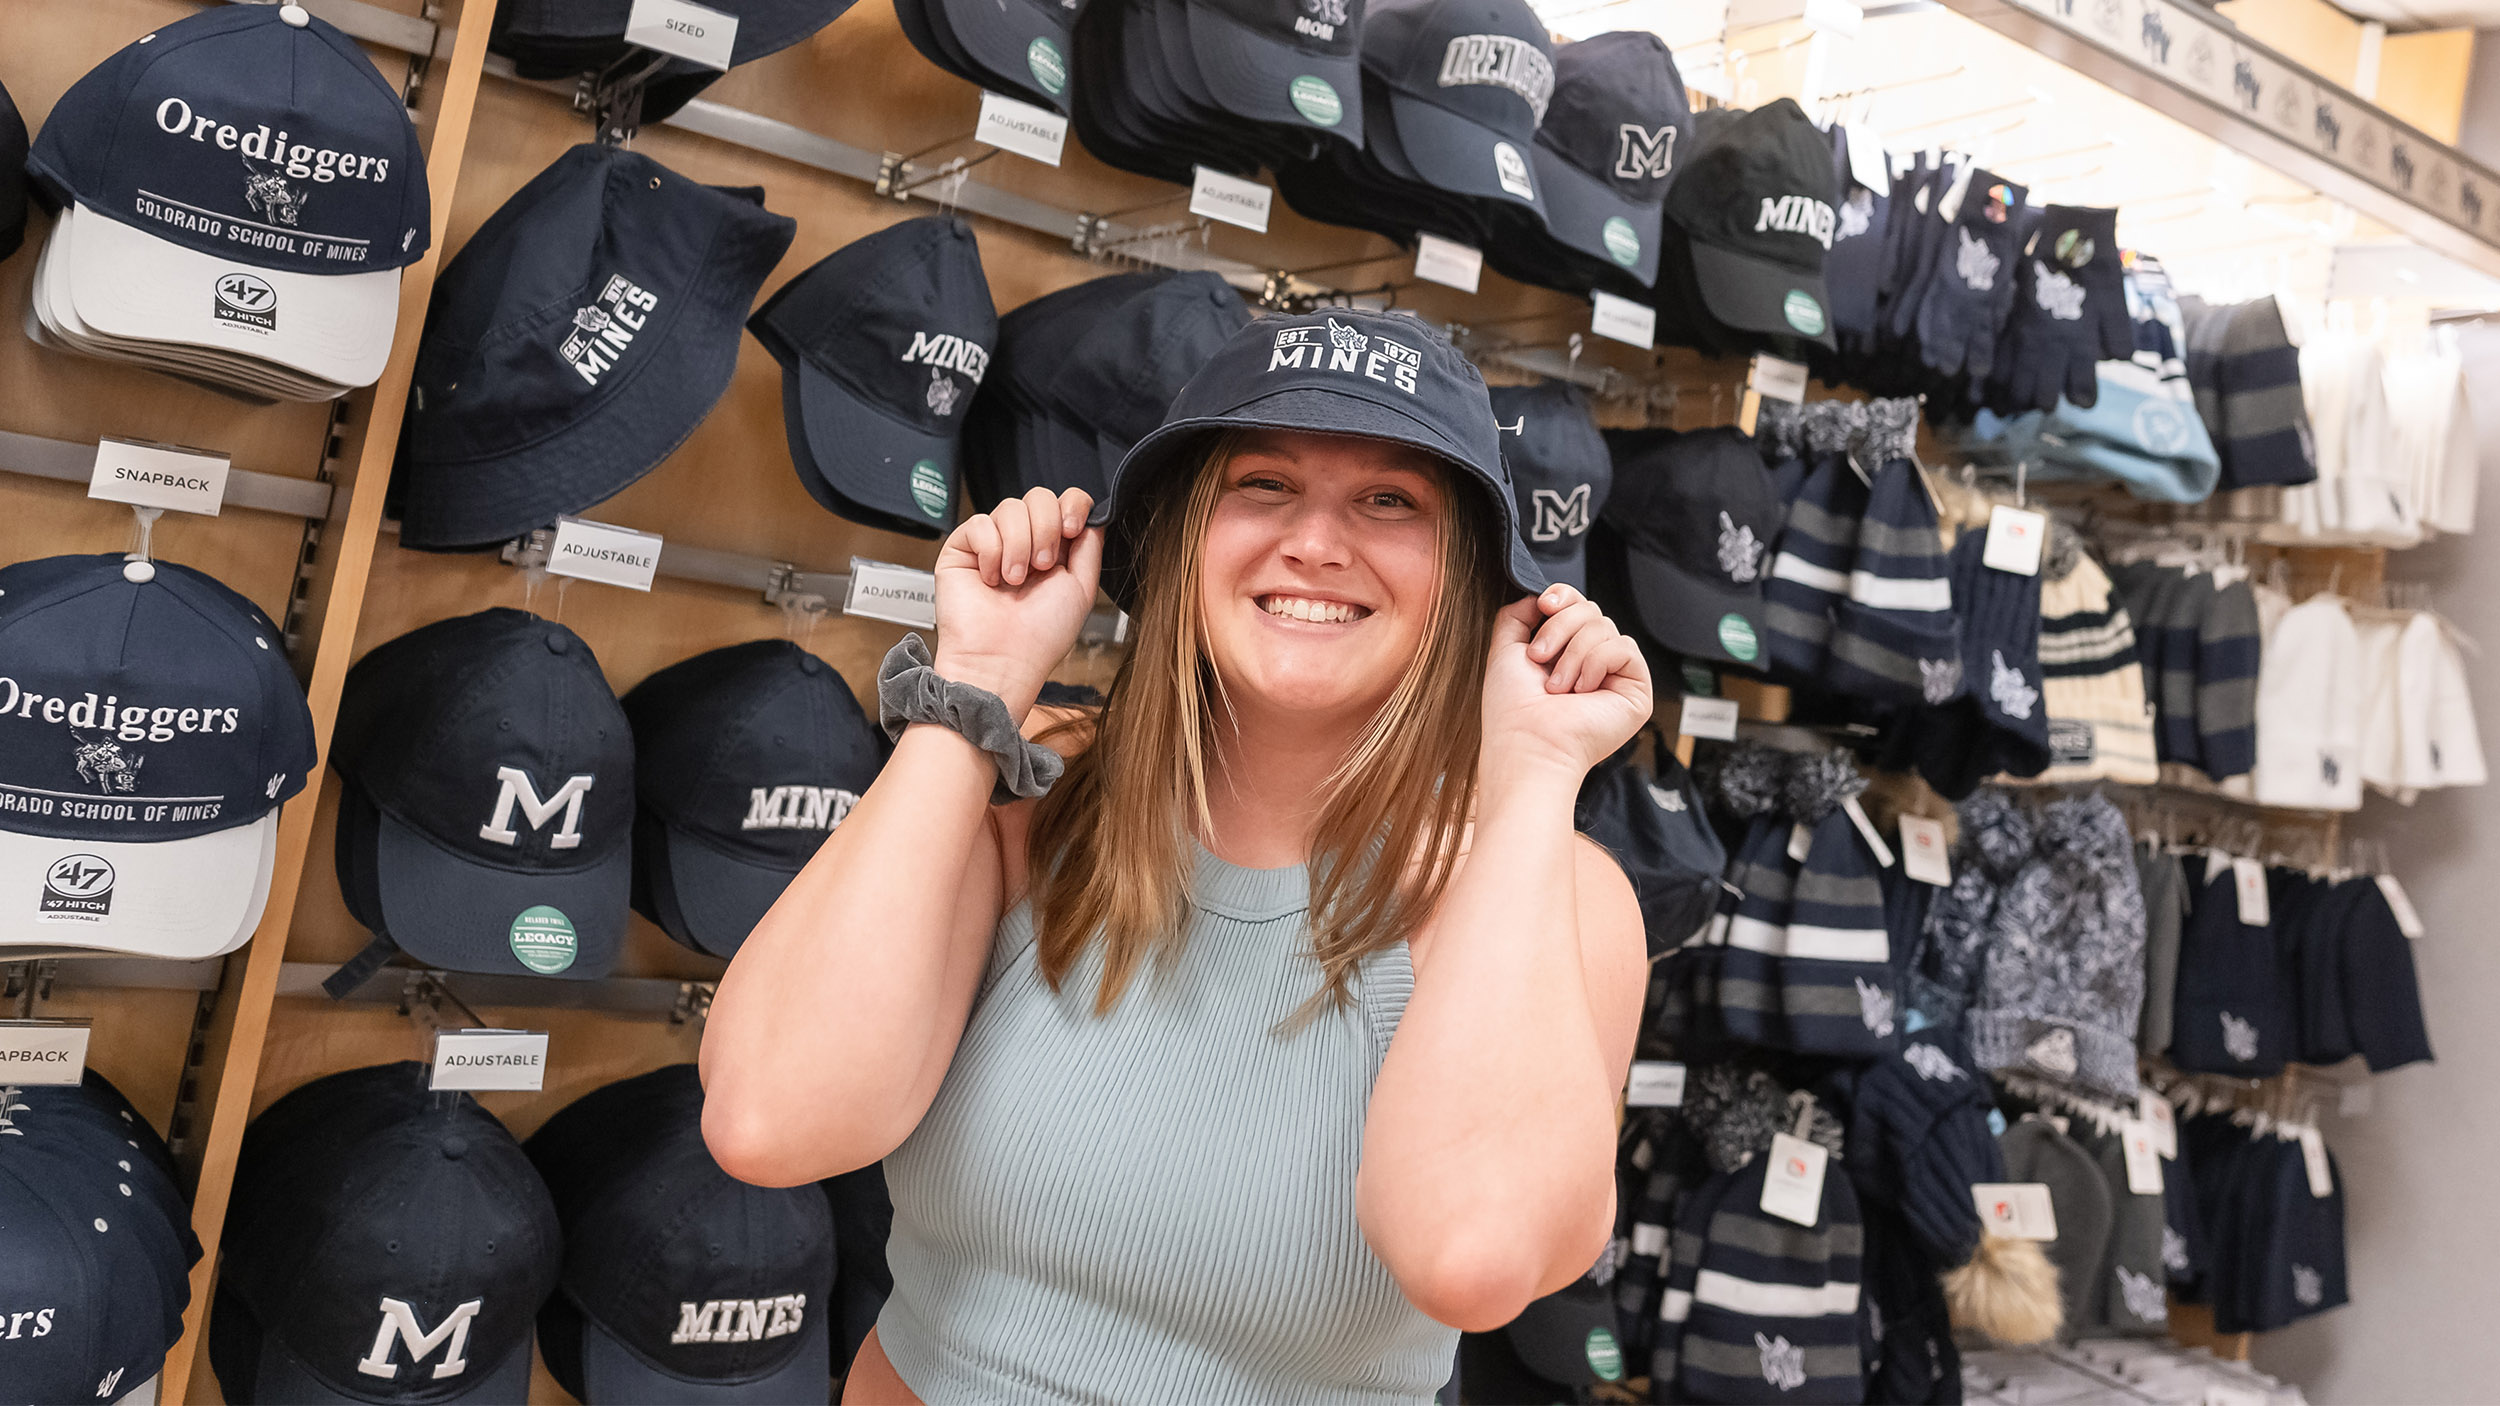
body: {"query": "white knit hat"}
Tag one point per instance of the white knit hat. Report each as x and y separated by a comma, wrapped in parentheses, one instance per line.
(2310, 701)
(2382, 715)
(2440, 745)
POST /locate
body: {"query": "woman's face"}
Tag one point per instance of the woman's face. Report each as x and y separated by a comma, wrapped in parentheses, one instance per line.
(1322, 558)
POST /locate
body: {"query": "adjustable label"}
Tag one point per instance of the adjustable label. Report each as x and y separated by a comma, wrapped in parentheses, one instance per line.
(1655, 1083)
(881, 590)
(1635, 324)
(1777, 378)
(1448, 263)
(1714, 718)
(159, 476)
(1036, 133)
(601, 551)
(1230, 199)
(42, 1051)
(685, 30)
(479, 1060)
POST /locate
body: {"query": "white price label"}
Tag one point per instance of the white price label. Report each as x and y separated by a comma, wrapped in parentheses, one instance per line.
(1655, 1083)
(685, 30)
(2015, 1210)
(1792, 1188)
(881, 590)
(2156, 1113)
(159, 476)
(2313, 1160)
(2408, 921)
(1866, 159)
(2015, 537)
(478, 1060)
(1623, 320)
(2248, 880)
(1714, 718)
(1800, 842)
(601, 551)
(2353, 1099)
(1033, 132)
(1777, 378)
(2143, 1159)
(1866, 831)
(1230, 199)
(1923, 855)
(1448, 263)
(42, 1051)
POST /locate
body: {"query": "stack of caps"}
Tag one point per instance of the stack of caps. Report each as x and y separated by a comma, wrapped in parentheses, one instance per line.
(238, 192)
(12, 176)
(150, 729)
(1603, 158)
(1453, 94)
(96, 1268)
(1687, 542)
(2419, 732)
(1748, 221)
(1018, 48)
(1560, 474)
(1230, 84)
(562, 38)
(1086, 372)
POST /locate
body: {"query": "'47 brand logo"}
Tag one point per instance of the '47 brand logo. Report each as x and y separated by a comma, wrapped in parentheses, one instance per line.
(77, 888)
(1559, 515)
(244, 298)
(604, 330)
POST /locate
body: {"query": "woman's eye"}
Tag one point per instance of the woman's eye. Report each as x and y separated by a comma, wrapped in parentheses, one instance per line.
(1262, 484)
(1391, 500)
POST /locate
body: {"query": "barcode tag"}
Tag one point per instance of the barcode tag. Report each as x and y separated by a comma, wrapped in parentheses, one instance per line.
(490, 1059)
(2313, 1159)
(1792, 1188)
(1036, 133)
(2408, 921)
(2143, 1159)
(1867, 832)
(2015, 537)
(1655, 1083)
(42, 1051)
(1714, 718)
(2156, 1113)
(881, 590)
(1923, 855)
(602, 551)
(1623, 320)
(2248, 880)
(2018, 1210)
(1448, 263)
(1800, 840)
(1231, 199)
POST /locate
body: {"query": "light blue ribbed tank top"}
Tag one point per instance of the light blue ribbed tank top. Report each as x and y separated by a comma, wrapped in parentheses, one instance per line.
(1158, 1204)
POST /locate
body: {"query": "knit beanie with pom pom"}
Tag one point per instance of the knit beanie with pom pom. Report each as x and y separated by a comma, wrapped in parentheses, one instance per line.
(2064, 956)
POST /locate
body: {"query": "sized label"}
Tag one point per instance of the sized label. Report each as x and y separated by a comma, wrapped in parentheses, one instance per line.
(601, 551)
(479, 1060)
(43, 1051)
(159, 476)
(2015, 1210)
(1777, 378)
(1713, 718)
(685, 30)
(1035, 133)
(2015, 537)
(2313, 1160)
(1231, 199)
(2408, 921)
(1923, 854)
(2143, 1159)
(1655, 1083)
(2248, 881)
(1792, 1188)
(1635, 324)
(880, 590)
(1448, 263)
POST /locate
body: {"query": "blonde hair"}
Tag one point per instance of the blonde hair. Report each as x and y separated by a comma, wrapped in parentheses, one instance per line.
(1109, 850)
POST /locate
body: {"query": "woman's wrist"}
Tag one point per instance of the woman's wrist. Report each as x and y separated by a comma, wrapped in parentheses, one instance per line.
(1016, 685)
(1525, 776)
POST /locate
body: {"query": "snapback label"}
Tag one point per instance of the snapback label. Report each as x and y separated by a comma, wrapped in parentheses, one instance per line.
(158, 476)
(604, 330)
(1802, 311)
(1623, 243)
(42, 1051)
(78, 888)
(542, 939)
(1049, 67)
(489, 1059)
(1314, 97)
(681, 29)
(1737, 638)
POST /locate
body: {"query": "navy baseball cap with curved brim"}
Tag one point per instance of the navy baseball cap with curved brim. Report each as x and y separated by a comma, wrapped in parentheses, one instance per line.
(1605, 153)
(1340, 371)
(1469, 82)
(1292, 62)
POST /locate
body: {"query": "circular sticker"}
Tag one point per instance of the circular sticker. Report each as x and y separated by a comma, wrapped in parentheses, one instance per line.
(1623, 243)
(1803, 312)
(542, 940)
(1316, 101)
(1050, 67)
(1736, 637)
(928, 488)
(2074, 248)
(1605, 1357)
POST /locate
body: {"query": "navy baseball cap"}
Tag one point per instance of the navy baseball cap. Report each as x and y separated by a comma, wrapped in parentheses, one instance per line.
(12, 176)
(260, 187)
(681, 1283)
(150, 728)
(1757, 205)
(1559, 469)
(1606, 150)
(1014, 441)
(1024, 42)
(487, 818)
(882, 344)
(1119, 378)
(561, 38)
(574, 342)
(1696, 514)
(1468, 83)
(745, 758)
(1292, 62)
(1567, 1338)
(1343, 371)
(385, 1244)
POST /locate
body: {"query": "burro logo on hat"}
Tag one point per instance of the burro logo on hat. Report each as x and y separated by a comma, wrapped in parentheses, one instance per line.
(604, 330)
(1346, 349)
(78, 888)
(1797, 214)
(1500, 61)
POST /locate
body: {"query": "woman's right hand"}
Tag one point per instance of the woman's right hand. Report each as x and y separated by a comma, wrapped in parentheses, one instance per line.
(1014, 586)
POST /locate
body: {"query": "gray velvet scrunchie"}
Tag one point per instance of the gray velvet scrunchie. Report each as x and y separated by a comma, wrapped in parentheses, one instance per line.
(910, 691)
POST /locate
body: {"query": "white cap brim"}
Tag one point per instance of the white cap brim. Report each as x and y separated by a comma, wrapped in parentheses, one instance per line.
(179, 899)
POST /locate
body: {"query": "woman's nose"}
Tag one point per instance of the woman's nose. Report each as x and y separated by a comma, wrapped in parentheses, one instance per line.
(1318, 535)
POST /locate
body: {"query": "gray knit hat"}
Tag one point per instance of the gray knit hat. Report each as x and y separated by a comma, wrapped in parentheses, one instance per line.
(2035, 1150)
(2064, 975)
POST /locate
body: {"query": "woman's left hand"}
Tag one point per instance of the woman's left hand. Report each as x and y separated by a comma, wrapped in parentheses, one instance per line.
(1562, 684)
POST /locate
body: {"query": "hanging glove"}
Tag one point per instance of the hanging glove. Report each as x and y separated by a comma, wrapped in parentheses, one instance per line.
(2070, 312)
(1973, 286)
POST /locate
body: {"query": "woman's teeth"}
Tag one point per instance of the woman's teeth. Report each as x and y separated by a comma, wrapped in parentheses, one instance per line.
(1318, 612)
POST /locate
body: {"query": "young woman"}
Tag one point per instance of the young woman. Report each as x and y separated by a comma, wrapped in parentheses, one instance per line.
(1279, 1041)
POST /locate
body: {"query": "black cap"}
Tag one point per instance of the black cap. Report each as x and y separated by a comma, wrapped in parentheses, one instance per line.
(12, 176)
(384, 1244)
(1295, 62)
(1607, 149)
(1757, 204)
(681, 1283)
(745, 758)
(1568, 1337)
(560, 38)
(882, 344)
(1345, 371)
(1558, 468)
(1119, 378)
(490, 797)
(1015, 441)
(1468, 83)
(1024, 42)
(1696, 513)
(574, 342)
(1656, 829)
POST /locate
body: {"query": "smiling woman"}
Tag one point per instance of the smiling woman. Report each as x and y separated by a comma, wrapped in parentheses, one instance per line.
(1278, 1041)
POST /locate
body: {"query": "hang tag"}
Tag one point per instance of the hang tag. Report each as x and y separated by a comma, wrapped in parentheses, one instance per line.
(2313, 1159)
(1035, 133)
(1792, 1188)
(601, 551)
(880, 590)
(2016, 1210)
(1655, 1083)
(683, 29)
(1867, 831)
(2155, 1112)
(479, 1060)
(1923, 855)
(1777, 378)
(1800, 840)
(2015, 537)
(1624, 320)
(2248, 880)
(1231, 199)
(159, 476)
(2353, 1099)
(1866, 159)
(1448, 263)
(2408, 921)
(42, 1051)
(2143, 1159)
(1714, 718)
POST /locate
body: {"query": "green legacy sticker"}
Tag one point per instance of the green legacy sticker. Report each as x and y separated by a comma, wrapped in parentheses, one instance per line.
(1316, 101)
(1050, 67)
(543, 941)
(928, 488)
(1803, 312)
(1623, 243)
(1605, 1357)
(1736, 637)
